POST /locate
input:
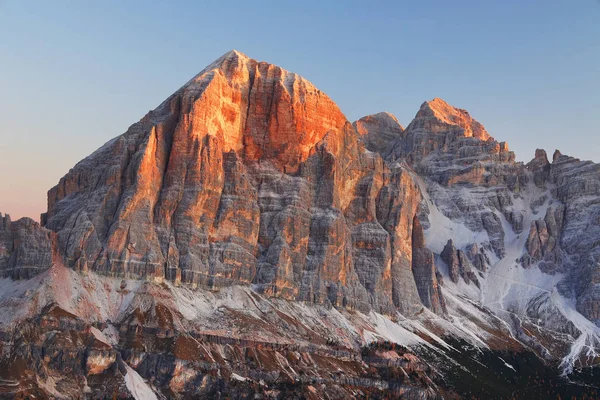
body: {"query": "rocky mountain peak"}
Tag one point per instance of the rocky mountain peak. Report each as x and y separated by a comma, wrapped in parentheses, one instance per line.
(557, 154)
(382, 118)
(199, 230)
(448, 145)
(379, 131)
(248, 174)
(227, 61)
(257, 108)
(540, 167)
(439, 112)
(541, 156)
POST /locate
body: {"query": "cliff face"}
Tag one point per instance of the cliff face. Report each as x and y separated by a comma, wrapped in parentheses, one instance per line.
(247, 174)
(566, 238)
(26, 249)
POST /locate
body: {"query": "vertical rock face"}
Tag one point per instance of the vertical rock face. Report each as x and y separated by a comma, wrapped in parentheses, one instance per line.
(459, 264)
(543, 241)
(397, 202)
(540, 168)
(247, 174)
(26, 249)
(450, 257)
(424, 271)
(568, 238)
(477, 257)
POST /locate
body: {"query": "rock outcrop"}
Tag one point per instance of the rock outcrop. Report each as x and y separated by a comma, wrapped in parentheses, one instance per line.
(540, 168)
(567, 239)
(477, 256)
(379, 132)
(459, 265)
(26, 249)
(424, 269)
(543, 242)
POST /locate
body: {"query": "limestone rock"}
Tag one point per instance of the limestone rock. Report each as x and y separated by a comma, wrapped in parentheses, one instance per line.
(576, 184)
(424, 270)
(477, 257)
(459, 263)
(450, 257)
(453, 152)
(379, 131)
(543, 242)
(248, 174)
(540, 167)
(26, 249)
(248, 180)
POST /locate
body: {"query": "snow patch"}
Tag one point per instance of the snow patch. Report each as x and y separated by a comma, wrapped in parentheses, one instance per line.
(238, 377)
(138, 388)
(507, 365)
(587, 344)
(100, 336)
(443, 228)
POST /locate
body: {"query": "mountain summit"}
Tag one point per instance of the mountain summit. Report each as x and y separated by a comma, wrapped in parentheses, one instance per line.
(258, 108)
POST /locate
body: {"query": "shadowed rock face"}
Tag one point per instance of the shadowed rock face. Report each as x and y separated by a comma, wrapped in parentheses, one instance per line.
(424, 271)
(459, 265)
(567, 237)
(247, 174)
(379, 131)
(26, 249)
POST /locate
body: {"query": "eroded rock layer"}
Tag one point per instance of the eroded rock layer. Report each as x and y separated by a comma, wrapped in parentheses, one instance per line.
(26, 248)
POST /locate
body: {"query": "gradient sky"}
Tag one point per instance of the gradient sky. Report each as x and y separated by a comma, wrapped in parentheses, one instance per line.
(74, 74)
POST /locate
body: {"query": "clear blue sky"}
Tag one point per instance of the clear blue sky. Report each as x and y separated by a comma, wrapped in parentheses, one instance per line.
(74, 74)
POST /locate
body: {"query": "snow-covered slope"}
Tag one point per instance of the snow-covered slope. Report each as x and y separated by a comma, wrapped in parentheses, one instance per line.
(520, 296)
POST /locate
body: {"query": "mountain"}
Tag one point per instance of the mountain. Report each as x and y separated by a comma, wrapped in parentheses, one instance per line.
(245, 239)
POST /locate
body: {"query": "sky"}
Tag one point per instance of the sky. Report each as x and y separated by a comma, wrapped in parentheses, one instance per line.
(75, 74)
